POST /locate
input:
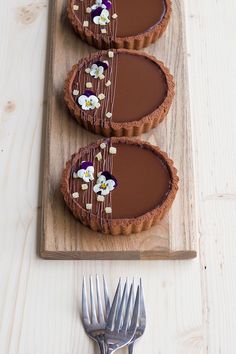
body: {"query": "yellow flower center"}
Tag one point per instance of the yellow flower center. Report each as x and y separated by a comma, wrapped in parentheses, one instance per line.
(103, 186)
(88, 104)
(86, 174)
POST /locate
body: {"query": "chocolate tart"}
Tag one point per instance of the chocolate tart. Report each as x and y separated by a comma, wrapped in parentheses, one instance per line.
(132, 24)
(119, 185)
(119, 92)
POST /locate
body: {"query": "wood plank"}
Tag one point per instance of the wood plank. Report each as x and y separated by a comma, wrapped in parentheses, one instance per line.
(62, 236)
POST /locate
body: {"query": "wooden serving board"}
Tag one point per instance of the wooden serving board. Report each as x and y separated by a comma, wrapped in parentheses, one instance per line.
(62, 236)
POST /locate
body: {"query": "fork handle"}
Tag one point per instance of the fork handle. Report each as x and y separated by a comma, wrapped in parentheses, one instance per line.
(131, 348)
(108, 350)
(102, 347)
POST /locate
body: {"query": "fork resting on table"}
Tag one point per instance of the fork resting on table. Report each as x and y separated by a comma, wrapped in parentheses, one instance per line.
(113, 327)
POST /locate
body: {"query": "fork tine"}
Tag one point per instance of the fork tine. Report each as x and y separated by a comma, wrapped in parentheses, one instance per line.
(85, 312)
(106, 298)
(118, 304)
(142, 305)
(112, 314)
(132, 302)
(127, 293)
(127, 312)
(93, 310)
(99, 303)
(136, 310)
(133, 295)
(120, 309)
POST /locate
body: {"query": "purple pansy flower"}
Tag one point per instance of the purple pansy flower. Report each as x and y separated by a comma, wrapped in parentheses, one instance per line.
(104, 64)
(105, 183)
(89, 93)
(86, 171)
(107, 4)
(88, 100)
(96, 12)
(98, 68)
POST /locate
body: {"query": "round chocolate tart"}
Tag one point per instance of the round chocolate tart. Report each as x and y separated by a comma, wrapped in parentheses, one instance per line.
(119, 185)
(131, 24)
(119, 93)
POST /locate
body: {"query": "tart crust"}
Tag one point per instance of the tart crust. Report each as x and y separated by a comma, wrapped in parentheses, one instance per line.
(118, 129)
(120, 226)
(131, 42)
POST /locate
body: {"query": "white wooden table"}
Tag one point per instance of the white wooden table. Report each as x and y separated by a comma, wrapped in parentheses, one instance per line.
(191, 304)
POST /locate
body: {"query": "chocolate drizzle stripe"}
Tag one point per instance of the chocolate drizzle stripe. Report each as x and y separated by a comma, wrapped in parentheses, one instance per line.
(101, 90)
(108, 93)
(110, 194)
(89, 196)
(105, 165)
(88, 191)
(114, 81)
(96, 29)
(80, 81)
(83, 115)
(115, 21)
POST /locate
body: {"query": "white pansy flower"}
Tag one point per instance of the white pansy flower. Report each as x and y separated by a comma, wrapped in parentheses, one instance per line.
(102, 19)
(86, 172)
(105, 184)
(96, 71)
(88, 101)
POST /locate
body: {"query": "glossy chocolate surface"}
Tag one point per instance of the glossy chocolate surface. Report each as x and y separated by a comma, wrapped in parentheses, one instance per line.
(140, 88)
(137, 16)
(144, 181)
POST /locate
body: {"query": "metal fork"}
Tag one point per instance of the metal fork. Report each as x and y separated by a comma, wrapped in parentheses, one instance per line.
(116, 330)
(141, 323)
(95, 324)
(120, 330)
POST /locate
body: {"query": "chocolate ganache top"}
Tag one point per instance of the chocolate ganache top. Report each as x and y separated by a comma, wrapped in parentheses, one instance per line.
(140, 87)
(132, 17)
(131, 178)
(138, 16)
(144, 181)
(131, 86)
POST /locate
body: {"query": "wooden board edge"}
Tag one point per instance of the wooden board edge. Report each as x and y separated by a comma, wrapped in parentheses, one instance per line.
(193, 240)
(48, 89)
(118, 255)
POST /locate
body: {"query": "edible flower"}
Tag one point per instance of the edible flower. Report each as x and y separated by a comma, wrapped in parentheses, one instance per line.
(105, 183)
(88, 100)
(100, 16)
(86, 171)
(98, 68)
(104, 4)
